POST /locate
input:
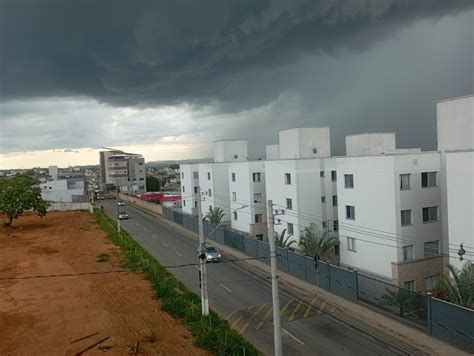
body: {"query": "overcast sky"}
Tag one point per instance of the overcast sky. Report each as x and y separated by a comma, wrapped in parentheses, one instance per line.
(166, 78)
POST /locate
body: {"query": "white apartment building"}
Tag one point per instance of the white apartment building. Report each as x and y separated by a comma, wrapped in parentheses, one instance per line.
(214, 184)
(455, 119)
(303, 181)
(248, 198)
(123, 170)
(189, 175)
(389, 212)
(63, 190)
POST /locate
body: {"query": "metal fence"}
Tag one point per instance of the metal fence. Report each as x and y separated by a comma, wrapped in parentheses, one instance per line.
(436, 316)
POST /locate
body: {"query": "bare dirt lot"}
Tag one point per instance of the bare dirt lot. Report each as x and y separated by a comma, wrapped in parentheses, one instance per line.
(42, 315)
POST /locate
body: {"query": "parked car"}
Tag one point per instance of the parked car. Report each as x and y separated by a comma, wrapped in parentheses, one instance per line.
(121, 203)
(123, 215)
(212, 254)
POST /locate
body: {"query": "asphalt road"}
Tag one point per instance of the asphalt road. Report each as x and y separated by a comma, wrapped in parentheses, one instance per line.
(242, 295)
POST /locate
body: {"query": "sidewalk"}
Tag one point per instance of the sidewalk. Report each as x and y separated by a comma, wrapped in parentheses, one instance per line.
(358, 315)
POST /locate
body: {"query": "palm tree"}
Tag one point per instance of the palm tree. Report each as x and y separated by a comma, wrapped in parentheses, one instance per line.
(459, 289)
(280, 240)
(314, 242)
(401, 298)
(214, 216)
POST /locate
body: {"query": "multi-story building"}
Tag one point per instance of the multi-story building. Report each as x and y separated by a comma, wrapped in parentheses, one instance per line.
(389, 212)
(189, 175)
(248, 198)
(123, 170)
(455, 118)
(303, 181)
(64, 188)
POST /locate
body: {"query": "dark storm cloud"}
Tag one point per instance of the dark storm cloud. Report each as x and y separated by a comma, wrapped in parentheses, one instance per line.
(145, 53)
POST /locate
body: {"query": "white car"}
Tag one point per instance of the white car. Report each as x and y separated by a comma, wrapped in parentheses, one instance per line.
(121, 203)
(123, 215)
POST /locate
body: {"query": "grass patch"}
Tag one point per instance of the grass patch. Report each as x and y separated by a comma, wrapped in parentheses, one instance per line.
(212, 332)
(102, 257)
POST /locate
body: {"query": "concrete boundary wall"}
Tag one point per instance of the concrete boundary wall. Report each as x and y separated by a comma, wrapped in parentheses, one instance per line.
(152, 207)
(54, 206)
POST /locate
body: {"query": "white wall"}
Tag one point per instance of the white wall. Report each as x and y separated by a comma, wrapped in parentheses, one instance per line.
(230, 151)
(460, 198)
(272, 152)
(245, 187)
(188, 182)
(53, 172)
(219, 185)
(57, 191)
(370, 144)
(300, 143)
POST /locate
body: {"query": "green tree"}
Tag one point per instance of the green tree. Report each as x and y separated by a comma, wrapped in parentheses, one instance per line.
(281, 241)
(214, 216)
(459, 287)
(401, 299)
(153, 184)
(314, 242)
(18, 194)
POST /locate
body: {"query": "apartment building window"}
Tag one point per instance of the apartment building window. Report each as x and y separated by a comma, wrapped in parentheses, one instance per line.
(236, 156)
(325, 225)
(195, 175)
(209, 192)
(141, 187)
(142, 178)
(409, 285)
(208, 175)
(184, 202)
(140, 164)
(348, 181)
(234, 196)
(235, 215)
(289, 228)
(116, 164)
(333, 176)
(289, 203)
(195, 204)
(210, 207)
(407, 253)
(428, 179)
(404, 181)
(184, 190)
(406, 217)
(315, 150)
(256, 177)
(257, 198)
(334, 200)
(233, 177)
(321, 174)
(323, 199)
(258, 218)
(259, 237)
(182, 174)
(351, 244)
(431, 283)
(335, 225)
(430, 214)
(350, 212)
(431, 248)
(287, 178)
(195, 190)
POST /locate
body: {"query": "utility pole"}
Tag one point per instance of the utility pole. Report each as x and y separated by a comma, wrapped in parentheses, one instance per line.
(274, 277)
(202, 258)
(118, 210)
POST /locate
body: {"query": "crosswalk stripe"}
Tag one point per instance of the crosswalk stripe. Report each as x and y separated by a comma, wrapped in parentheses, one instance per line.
(231, 314)
(321, 308)
(236, 321)
(296, 310)
(259, 309)
(308, 309)
(267, 314)
(333, 309)
(244, 328)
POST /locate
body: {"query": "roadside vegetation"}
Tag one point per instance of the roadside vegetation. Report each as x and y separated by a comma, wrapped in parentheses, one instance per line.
(458, 288)
(212, 332)
(214, 216)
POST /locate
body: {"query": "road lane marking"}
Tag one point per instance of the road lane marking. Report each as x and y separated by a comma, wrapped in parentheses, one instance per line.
(180, 255)
(267, 314)
(197, 267)
(308, 309)
(154, 236)
(137, 224)
(230, 315)
(259, 309)
(321, 308)
(333, 309)
(242, 330)
(296, 310)
(145, 230)
(292, 336)
(286, 306)
(223, 286)
(236, 321)
(165, 244)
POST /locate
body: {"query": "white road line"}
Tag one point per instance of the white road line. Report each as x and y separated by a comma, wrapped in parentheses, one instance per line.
(180, 255)
(165, 244)
(154, 236)
(145, 230)
(137, 224)
(292, 336)
(197, 267)
(223, 286)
